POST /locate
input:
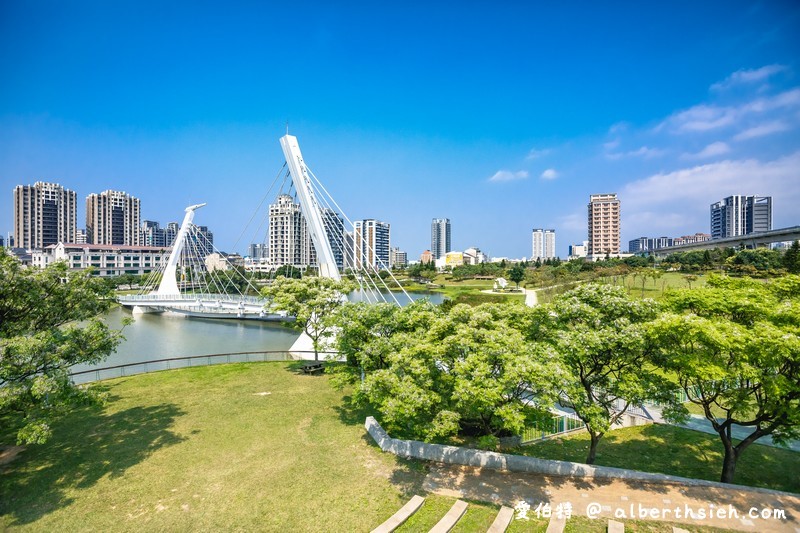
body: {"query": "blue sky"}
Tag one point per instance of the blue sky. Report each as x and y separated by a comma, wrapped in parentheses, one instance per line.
(502, 116)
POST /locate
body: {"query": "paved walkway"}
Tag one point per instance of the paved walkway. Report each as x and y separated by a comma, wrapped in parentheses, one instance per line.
(699, 423)
(604, 499)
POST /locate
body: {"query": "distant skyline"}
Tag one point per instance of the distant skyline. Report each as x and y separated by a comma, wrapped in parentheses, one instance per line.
(501, 117)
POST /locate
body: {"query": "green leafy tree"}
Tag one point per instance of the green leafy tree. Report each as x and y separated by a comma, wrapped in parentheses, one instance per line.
(432, 374)
(311, 301)
(516, 274)
(734, 348)
(791, 259)
(48, 322)
(598, 332)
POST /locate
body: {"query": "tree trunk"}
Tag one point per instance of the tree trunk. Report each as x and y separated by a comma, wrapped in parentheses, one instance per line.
(593, 447)
(729, 463)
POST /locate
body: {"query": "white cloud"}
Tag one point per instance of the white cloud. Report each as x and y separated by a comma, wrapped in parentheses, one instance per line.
(712, 150)
(748, 76)
(644, 152)
(610, 145)
(549, 174)
(706, 117)
(535, 154)
(762, 130)
(689, 192)
(507, 175)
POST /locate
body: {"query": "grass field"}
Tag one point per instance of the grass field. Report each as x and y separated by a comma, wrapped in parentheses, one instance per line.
(676, 451)
(202, 450)
(244, 447)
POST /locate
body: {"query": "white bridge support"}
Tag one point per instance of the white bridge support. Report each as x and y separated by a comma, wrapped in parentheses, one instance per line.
(169, 284)
(310, 208)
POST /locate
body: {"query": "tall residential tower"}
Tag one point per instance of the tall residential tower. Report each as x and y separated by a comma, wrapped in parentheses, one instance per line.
(544, 244)
(604, 226)
(440, 237)
(113, 217)
(44, 214)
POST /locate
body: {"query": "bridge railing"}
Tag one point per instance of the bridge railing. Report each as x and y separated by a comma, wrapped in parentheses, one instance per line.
(190, 297)
(189, 361)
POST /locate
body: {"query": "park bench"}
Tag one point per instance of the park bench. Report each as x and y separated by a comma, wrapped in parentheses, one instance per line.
(397, 519)
(309, 367)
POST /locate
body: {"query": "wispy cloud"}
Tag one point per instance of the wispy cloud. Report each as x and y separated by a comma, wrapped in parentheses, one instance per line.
(712, 150)
(536, 154)
(645, 152)
(748, 76)
(762, 130)
(705, 117)
(507, 175)
(549, 174)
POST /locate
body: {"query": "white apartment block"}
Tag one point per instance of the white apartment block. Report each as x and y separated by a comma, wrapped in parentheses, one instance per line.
(289, 239)
(544, 244)
(44, 214)
(604, 226)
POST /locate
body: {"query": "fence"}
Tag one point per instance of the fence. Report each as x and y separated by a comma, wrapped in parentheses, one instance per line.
(157, 365)
(557, 425)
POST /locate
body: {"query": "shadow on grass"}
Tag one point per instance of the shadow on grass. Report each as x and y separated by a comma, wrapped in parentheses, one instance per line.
(86, 446)
(676, 451)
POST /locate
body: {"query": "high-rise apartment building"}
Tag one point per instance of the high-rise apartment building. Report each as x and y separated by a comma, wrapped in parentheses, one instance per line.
(44, 214)
(289, 240)
(604, 226)
(544, 244)
(371, 240)
(741, 215)
(152, 234)
(440, 237)
(334, 227)
(258, 251)
(112, 217)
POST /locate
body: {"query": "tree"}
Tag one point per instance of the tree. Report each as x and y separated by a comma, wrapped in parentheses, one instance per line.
(432, 374)
(791, 259)
(734, 348)
(516, 274)
(598, 332)
(48, 322)
(311, 301)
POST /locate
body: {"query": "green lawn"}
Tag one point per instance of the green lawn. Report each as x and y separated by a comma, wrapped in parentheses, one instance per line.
(676, 451)
(200, 449)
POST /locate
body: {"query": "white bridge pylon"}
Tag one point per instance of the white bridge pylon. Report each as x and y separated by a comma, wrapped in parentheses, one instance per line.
(310, 207)
(206, 303)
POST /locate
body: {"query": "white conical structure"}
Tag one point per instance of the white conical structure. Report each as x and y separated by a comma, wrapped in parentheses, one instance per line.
(169, 283)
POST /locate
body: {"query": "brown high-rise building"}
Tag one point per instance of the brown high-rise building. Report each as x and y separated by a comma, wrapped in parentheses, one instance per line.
(604, 226)
(44, 214)
(112, 217)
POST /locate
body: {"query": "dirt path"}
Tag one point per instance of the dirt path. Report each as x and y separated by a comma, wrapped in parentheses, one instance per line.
(618, 499)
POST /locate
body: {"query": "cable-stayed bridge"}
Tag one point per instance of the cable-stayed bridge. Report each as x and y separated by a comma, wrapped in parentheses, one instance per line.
(186, 287)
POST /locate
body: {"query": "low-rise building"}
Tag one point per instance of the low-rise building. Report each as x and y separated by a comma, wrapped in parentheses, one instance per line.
(107, 260)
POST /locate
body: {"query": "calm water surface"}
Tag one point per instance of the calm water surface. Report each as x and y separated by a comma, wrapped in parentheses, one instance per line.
(158, 336)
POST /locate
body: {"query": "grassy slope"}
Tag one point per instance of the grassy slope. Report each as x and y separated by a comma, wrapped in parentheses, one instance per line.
(676, 451)
(196, 450)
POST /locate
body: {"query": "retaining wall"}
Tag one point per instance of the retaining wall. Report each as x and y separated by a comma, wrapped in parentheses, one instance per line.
(519, 463)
